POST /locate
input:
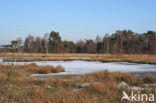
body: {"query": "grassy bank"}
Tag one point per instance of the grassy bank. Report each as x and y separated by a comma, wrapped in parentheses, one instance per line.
(33, 68)
(137, 58)
(47, 55)
(100, 87)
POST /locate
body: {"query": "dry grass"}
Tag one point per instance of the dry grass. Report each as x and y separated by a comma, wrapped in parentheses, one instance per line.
(59, 69)
(33, 68)
(149, 79)
(39, 59)
(46, 55)
(17, 87)
(137, 58)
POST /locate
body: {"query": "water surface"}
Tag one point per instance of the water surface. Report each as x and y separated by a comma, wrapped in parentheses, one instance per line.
(83, 67)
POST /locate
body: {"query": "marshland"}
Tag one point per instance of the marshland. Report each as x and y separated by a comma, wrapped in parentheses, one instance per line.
(77, 51)
(56, 71)
(74, 78)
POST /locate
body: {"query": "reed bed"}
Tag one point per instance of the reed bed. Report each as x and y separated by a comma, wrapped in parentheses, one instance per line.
(100, 87)
(33, 68)
(135, 58)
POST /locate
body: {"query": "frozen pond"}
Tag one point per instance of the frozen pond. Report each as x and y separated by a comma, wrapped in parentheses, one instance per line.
(83, 67)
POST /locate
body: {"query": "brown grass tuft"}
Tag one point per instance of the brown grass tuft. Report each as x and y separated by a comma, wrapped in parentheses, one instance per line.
(59, 69)
(149, 79)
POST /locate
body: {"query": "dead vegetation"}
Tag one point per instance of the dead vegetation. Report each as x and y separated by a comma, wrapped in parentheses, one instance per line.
(33, 68)
(100, 87)
(136, 58)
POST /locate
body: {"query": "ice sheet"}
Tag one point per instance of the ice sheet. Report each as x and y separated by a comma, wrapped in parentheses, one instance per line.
(83, 67)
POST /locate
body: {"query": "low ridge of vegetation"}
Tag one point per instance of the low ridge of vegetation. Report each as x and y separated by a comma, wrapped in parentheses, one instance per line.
(33, 68)
(136, 58)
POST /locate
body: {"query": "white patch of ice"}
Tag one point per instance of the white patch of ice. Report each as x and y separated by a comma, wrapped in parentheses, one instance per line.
(83, 67)
(0, 60)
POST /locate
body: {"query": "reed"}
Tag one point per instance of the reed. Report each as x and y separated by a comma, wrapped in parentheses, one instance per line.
(134, 58)
(33, 68)
(102, 87)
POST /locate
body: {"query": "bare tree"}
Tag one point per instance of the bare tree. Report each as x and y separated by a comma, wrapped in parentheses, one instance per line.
(29, 44)
(45, 43)
(19, 40)
(90, 46)
(38, 45)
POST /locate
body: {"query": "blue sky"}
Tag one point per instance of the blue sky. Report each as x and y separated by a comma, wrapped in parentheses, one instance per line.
(74, 19)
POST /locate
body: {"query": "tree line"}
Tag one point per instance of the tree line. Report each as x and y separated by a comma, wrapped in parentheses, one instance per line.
(120, 42)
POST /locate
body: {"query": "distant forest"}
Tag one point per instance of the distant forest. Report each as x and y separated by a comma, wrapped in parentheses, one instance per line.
(121, 42)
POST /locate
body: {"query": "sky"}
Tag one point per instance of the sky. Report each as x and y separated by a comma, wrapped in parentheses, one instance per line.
(74, 19)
